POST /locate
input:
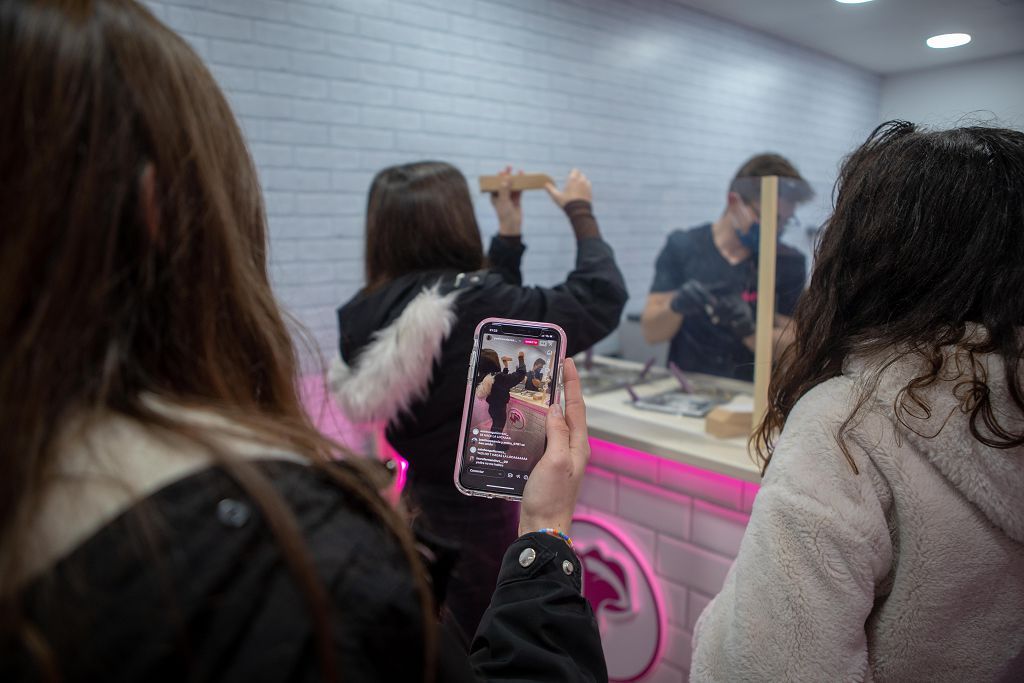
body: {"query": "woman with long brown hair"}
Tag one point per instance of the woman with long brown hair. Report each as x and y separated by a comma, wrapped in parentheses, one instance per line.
(405, 338)
(887, 540)
(167, 511)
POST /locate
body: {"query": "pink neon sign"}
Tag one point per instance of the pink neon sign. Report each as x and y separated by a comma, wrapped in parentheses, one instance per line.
(621, 588)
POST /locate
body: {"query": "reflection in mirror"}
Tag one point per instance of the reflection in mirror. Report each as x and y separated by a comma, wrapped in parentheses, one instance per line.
(705, 304)
(701, 308)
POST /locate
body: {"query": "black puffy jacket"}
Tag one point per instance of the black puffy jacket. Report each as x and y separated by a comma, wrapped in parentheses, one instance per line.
(404, 359)
(189, 585)
(588, 306)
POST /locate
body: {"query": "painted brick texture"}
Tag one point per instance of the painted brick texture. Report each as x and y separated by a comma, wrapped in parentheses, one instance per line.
(691, 540)
(657, 103)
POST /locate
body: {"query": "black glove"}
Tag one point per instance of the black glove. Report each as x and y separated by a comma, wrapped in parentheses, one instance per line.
(693, 298)
(725, 309)
(733, 313)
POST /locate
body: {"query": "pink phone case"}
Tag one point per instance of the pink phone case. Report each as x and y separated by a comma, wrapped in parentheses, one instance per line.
(467, 407)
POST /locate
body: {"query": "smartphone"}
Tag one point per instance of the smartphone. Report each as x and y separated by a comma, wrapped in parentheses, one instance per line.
(515, 373)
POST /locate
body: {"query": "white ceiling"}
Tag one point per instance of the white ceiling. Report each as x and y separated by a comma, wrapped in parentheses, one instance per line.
(883, 36)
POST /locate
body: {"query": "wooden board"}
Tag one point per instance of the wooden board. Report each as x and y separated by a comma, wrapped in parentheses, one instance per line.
(526, 181)
(765, 294)
(726, 424)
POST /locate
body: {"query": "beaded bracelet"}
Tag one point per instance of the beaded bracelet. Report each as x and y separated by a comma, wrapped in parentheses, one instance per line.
(557, 534)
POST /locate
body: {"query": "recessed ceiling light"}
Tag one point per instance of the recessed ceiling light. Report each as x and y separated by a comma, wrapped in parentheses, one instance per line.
(852, 2)
(948, 40)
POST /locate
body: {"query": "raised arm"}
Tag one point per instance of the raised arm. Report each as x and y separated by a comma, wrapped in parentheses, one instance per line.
(506, 250)
(589, 304)
(509, 380)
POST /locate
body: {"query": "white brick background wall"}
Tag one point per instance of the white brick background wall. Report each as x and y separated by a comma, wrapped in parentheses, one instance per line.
(687, 523)
(657, 103)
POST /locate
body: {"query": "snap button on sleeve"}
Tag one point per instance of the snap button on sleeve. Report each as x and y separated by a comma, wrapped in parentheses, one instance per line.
(233, 513)
(527, 557)
(568, 567)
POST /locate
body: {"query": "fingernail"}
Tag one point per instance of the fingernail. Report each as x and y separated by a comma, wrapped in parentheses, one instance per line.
(556, 410)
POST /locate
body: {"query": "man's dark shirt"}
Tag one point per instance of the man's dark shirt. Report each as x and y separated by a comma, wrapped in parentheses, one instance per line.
(700, 346)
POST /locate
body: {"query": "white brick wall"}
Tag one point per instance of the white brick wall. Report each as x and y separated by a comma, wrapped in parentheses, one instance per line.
(657, 103)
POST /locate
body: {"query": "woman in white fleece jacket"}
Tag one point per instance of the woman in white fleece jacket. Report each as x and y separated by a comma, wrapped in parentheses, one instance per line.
(887, 541)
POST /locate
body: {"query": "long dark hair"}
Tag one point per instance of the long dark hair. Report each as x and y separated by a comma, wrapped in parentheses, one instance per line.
(927, 237)
(419, 217)
(99, 308)
(489, 362)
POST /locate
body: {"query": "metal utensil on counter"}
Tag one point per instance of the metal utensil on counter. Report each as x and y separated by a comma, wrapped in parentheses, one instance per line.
(684, 384)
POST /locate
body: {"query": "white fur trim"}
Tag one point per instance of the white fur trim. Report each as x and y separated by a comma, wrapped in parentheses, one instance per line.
(395, 368)
(483, 390)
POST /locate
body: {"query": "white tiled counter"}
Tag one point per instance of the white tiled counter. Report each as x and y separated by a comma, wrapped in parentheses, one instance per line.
(681, 497)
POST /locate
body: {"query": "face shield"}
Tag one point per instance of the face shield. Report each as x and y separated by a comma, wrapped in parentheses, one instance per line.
(792, 193)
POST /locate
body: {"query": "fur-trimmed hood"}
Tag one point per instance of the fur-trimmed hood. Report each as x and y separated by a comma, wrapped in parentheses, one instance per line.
(392, 366)
(404, 346)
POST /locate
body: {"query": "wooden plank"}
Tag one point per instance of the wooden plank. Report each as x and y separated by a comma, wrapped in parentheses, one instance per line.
(765, 294)
(726, 423)
(526, 181)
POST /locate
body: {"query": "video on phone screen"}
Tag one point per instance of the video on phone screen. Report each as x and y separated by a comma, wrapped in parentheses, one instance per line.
(512, 389)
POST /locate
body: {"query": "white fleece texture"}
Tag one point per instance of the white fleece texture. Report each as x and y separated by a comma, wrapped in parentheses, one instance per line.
(395, 368)
(912, 570)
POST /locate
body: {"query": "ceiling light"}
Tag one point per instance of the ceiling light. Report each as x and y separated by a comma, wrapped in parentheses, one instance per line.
(948, 40)
(853, 2)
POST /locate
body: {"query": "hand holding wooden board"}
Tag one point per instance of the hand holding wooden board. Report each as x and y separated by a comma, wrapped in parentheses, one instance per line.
(525, 181)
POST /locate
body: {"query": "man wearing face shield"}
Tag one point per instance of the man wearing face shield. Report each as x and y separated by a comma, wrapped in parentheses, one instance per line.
(704, 295)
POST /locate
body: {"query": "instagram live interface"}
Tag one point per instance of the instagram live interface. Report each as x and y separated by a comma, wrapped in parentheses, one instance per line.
(511, 392)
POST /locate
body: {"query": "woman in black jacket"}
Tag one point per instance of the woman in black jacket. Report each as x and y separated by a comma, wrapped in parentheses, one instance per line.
(167, 511)
(405, 339)
(499, 390)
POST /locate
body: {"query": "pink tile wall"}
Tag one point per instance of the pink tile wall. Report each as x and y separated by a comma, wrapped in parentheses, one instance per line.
(718, 529)
(689, 522)
(692, 566)
(654, 508)
(698, 601)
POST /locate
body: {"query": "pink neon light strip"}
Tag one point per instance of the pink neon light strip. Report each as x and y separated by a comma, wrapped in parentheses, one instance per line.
(623, 455)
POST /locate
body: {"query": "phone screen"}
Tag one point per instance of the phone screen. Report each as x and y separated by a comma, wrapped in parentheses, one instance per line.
(514, 379)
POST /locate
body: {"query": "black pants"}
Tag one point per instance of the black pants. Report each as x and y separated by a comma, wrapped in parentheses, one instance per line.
(498, 415)
(484, 529)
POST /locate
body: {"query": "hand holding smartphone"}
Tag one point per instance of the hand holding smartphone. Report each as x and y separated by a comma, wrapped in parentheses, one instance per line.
(504, 419)
(549, 499)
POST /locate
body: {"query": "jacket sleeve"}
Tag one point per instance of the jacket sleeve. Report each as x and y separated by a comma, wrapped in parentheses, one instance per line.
(795, 602)
(538, 627)
(520, 374)
(507, 380)
(505, 256)
(589, 304)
